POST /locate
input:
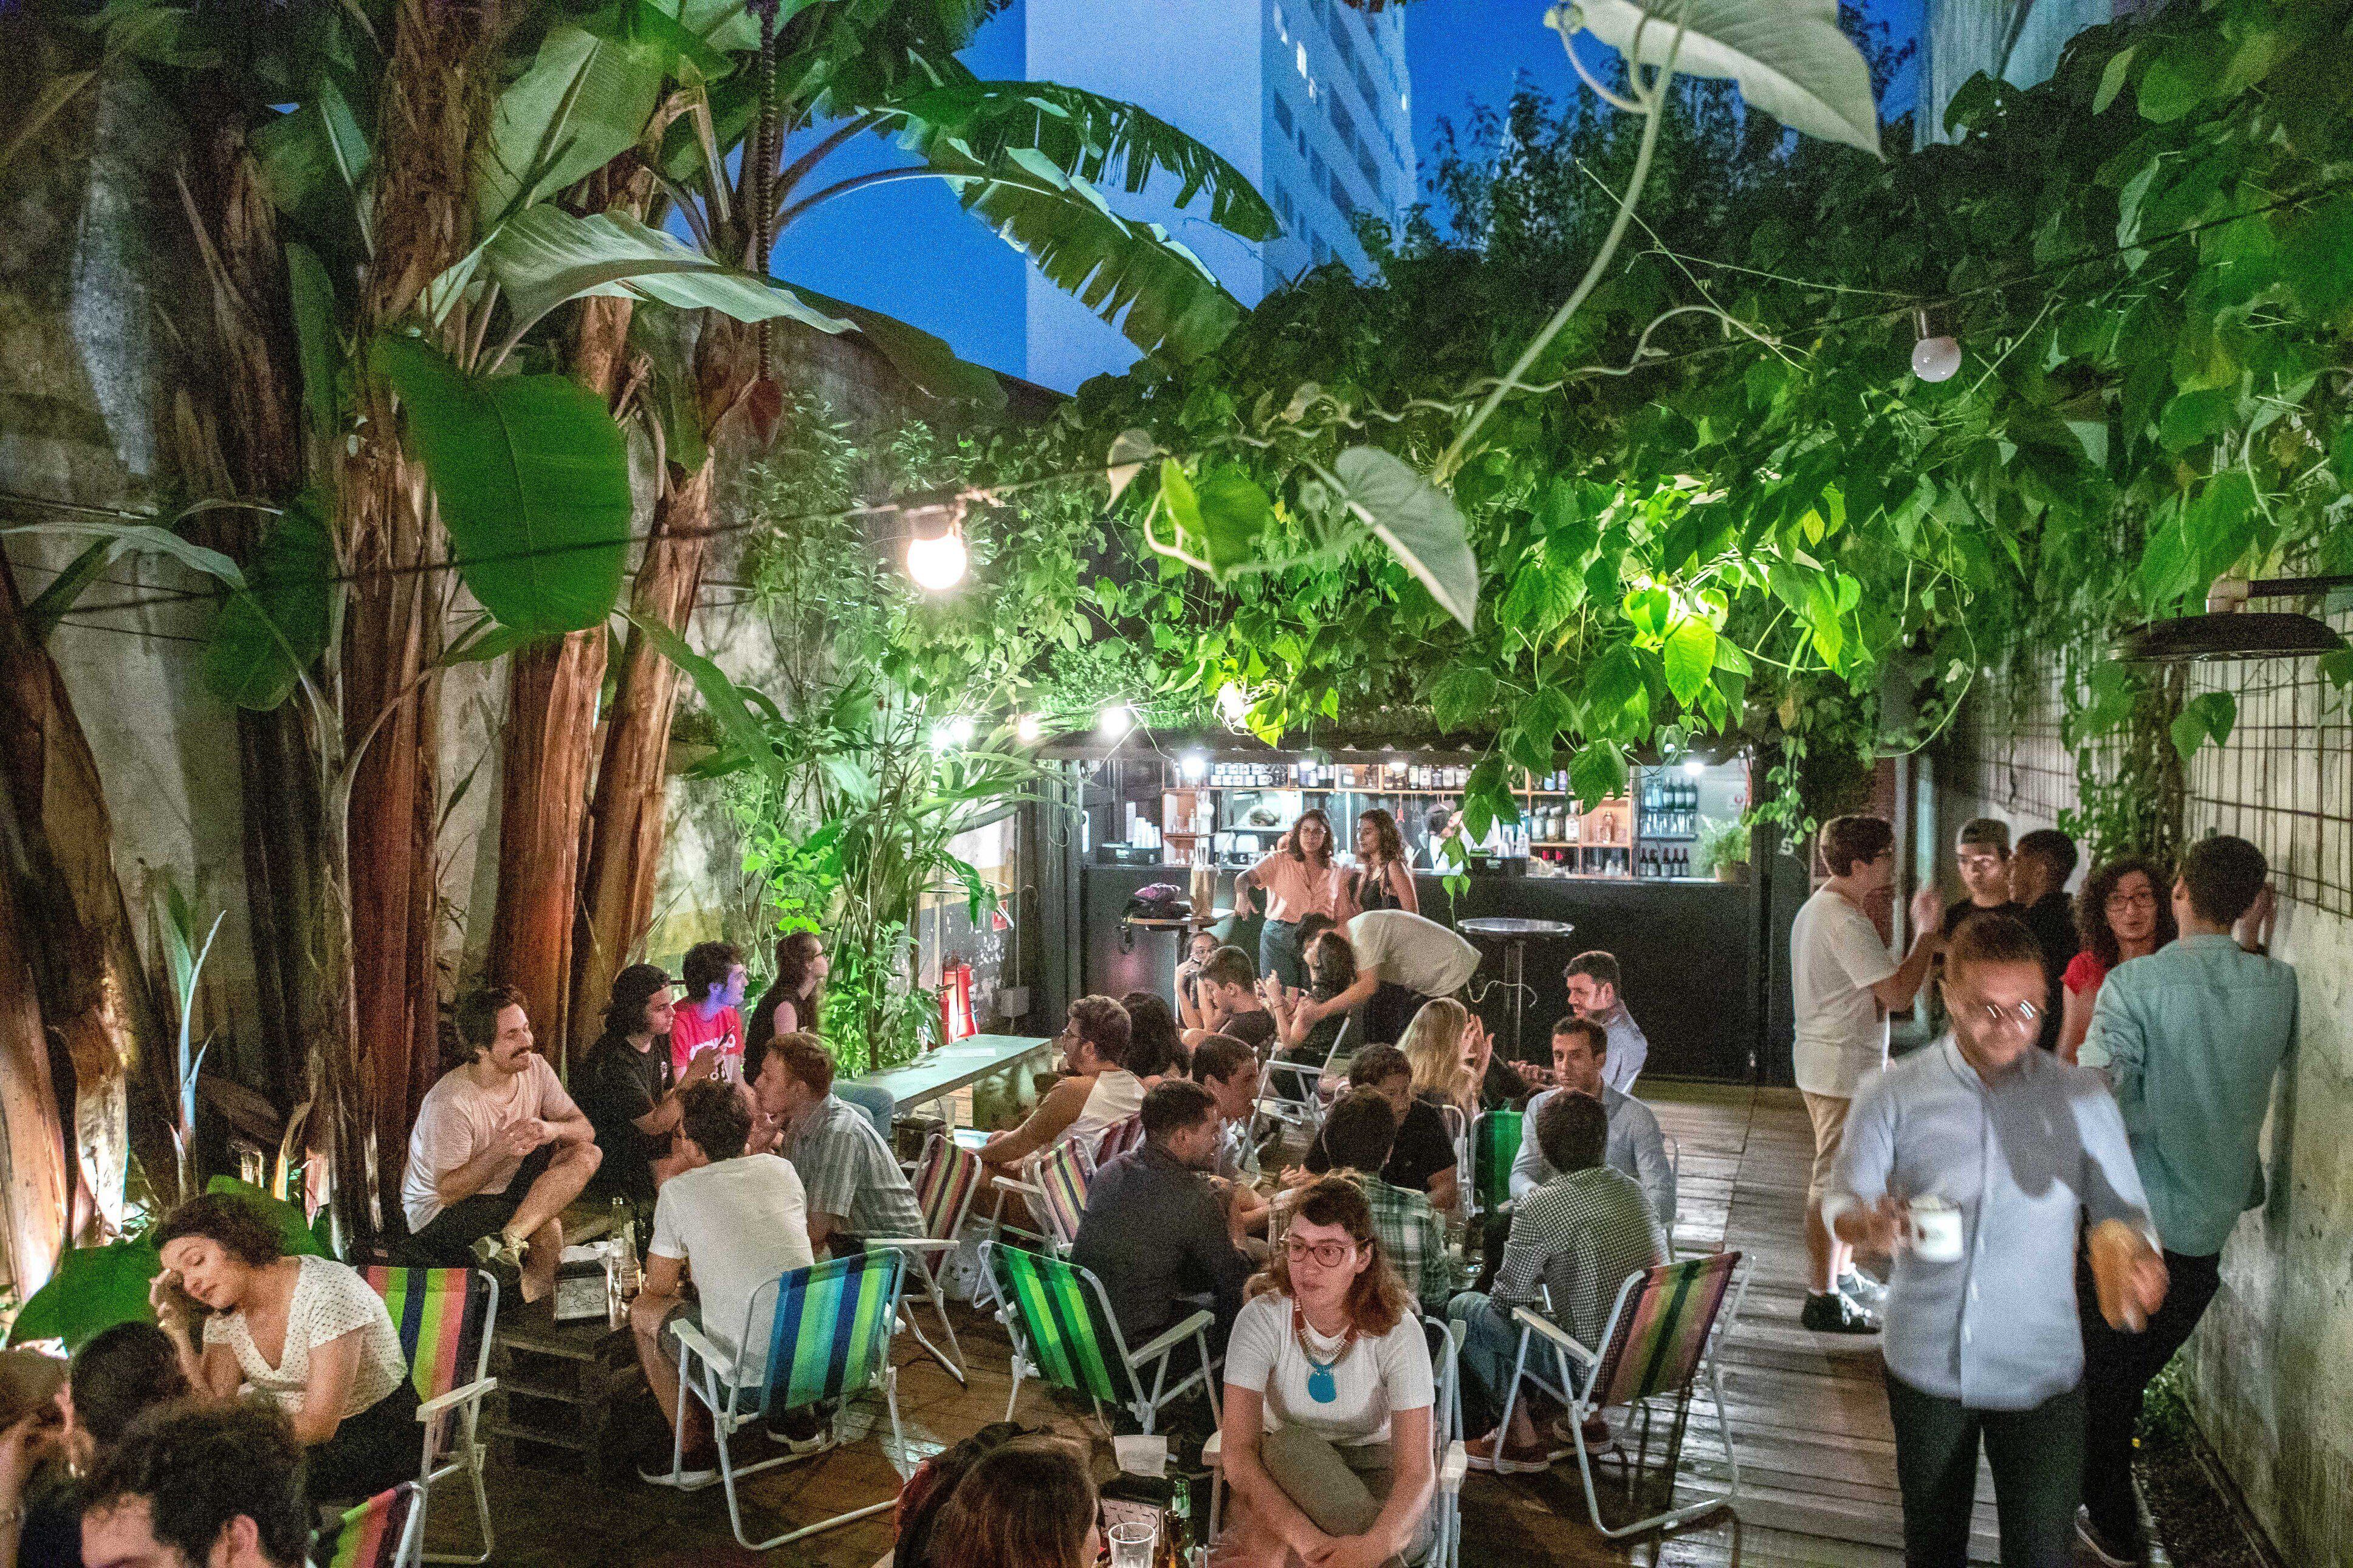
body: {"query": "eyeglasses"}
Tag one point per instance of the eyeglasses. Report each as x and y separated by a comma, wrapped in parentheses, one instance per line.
(1328, 1254)
(2131, 901)
(2026, 1014)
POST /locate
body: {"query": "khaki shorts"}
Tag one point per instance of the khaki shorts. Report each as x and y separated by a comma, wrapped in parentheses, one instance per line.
(1829, 1114)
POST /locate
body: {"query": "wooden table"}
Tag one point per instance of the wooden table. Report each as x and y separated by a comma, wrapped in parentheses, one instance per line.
(937, 1074)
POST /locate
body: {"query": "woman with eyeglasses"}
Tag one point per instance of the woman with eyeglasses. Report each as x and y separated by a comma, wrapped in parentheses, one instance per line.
(1329, 1399)
(2123, 914)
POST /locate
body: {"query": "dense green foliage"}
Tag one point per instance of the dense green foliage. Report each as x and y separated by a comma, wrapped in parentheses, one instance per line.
(1725, 508)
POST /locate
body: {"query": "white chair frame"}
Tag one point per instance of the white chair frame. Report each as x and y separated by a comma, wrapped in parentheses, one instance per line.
(1152, 1353)
(1453, 1460)
(1563, 1386)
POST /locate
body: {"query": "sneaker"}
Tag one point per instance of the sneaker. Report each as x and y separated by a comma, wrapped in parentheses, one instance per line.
(801, 1433)
(1489, 1454)
(498, 1252)
(2108, 1551)
(1834, 1315)
(1601, 1443)
(694, 1471)
(1862, 1290)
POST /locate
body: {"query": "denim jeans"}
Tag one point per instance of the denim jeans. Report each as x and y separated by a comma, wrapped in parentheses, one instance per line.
(877, 1104)
(1490, 1346)
(1278, 953)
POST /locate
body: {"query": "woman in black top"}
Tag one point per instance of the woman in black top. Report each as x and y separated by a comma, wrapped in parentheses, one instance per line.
(1383, 880)
(1422, 1158)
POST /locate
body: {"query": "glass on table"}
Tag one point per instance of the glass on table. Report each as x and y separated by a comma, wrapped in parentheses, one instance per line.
(1131, 1543)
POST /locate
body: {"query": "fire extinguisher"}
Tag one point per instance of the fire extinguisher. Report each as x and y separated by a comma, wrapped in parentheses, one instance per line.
(955, 1002)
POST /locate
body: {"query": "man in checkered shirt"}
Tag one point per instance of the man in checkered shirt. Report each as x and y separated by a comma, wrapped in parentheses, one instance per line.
(1579, 1235)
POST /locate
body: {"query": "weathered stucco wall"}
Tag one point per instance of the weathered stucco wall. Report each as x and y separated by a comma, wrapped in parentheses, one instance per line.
(2271, 1367)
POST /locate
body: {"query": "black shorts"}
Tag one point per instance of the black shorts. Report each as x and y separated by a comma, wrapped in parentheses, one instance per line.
(447, 1242)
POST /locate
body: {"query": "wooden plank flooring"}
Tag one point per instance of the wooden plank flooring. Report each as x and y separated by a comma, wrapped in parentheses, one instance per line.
(1807, 1413)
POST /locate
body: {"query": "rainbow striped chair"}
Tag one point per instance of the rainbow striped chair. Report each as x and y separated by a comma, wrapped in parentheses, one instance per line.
(1120, 1137)
(446, 1318)
(1663, 1328)
(1055, 1182)
(946, 1181)
(1063, 1332)
(834, 1325)
(383, 1532)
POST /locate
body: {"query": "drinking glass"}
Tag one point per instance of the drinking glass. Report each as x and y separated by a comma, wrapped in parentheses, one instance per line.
(1131, 1544)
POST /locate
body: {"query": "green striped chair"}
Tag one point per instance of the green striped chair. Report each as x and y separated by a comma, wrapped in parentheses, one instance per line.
(1063, 1332)
(834, 1325)
(1661, 1333)
(383, 1532)
(445, 1318)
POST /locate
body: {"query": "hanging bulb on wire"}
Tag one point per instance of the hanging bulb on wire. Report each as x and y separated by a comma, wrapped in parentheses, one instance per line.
(936, 556)
(1934, 357)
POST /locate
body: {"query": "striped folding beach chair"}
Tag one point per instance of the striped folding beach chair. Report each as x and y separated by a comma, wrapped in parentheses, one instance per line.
(383, 1532)
(445, 1318)
(1063, 1332)
(946, 1181)
(1662, 1332)
(832, 1335)
(1056, 1185)
(1119, 1138)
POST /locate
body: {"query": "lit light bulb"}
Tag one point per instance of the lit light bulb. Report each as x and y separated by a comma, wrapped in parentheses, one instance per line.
(1193, 764)
(943, 736)
(1937, 356)
(1232, 706)
(1696, 767)
(938, 564)
(1029, 729)
(1115, 720)
(962, 731)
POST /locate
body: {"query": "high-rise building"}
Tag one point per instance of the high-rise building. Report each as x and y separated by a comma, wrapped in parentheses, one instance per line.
(1309, 99)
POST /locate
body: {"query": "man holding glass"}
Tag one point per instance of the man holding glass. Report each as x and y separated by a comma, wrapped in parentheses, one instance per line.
(1971, 1161)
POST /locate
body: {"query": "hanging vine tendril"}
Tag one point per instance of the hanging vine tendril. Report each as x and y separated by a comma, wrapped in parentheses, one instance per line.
(765, 154)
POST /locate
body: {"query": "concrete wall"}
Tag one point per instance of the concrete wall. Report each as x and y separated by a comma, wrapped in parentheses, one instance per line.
(2272, 1365)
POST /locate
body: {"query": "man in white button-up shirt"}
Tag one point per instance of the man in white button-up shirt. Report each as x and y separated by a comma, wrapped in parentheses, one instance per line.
(1984, 1343)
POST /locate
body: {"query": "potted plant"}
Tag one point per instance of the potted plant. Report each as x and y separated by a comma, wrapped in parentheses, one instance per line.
(1723, 848)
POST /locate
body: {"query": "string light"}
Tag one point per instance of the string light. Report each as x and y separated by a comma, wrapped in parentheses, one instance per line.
(1029, 729)
(1114, 722)
(937, 557)
(1936, 357)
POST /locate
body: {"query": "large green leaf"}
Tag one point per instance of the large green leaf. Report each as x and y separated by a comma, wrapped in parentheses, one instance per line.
(731, 706)
(1096, 138)
(142, 538)
(94, 1289)
(533, 480)
(926, 359)
(314, 163)
(1132, 275)
(544, 256)
(1788, 55)
(318, 344)
(274, 627)
(584, 101)
(1418, 524)
(1689, 655)
(296, 1236)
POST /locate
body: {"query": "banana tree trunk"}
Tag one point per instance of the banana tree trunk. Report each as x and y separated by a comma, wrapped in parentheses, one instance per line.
(626, 822)
(35, 1180)
(432, 110)
(58, 843)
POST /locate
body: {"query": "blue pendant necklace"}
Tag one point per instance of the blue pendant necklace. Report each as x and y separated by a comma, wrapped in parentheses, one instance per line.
(1321, 1387)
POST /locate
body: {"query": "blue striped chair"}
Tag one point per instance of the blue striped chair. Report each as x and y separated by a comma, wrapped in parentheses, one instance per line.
(831, 1337)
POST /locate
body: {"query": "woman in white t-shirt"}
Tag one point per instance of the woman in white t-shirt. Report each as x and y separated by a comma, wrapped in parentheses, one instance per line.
(306, 1333)
(1329, 1399)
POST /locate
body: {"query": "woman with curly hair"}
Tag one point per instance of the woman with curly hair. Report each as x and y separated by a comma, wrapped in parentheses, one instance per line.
(1329, 1397)
(1299, 880)
(305, 1333)
(1028, 1504)
(1383, 880)
(2123, 914)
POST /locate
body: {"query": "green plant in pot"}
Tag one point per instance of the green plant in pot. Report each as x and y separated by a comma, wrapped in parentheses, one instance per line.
(1723, 848)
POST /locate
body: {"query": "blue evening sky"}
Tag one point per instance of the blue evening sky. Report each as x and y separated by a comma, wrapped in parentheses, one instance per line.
(906, 248)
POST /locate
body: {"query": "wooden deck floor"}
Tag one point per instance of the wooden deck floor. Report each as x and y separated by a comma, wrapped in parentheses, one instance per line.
(1807, 1413)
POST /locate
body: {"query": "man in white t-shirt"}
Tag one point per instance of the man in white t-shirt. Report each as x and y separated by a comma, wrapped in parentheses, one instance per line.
(497, 1150)
(1846, 983)
(739, 1222)
(1402, 962)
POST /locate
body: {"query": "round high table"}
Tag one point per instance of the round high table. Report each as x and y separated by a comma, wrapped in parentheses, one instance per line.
(1515, 932)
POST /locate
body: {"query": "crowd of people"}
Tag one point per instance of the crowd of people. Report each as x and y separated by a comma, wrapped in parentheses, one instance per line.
(2046, 1187)
(2052, 1178)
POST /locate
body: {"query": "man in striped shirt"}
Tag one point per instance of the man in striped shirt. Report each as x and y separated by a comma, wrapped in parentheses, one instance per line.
(855, 1187)
(1578, 1236)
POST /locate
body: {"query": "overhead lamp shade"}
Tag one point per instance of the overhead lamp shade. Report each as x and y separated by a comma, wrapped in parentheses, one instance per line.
(2245, 633)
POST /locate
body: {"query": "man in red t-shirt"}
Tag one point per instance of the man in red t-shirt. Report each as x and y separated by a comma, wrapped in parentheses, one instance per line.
(713, 978)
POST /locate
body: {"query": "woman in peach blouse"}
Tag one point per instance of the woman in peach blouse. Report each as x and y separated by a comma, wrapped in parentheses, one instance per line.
(1299, 880)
